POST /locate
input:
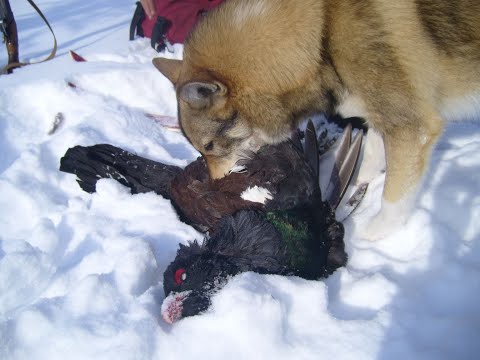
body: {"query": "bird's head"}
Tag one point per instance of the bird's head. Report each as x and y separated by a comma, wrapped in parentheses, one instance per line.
(191, 279)
(245, 241)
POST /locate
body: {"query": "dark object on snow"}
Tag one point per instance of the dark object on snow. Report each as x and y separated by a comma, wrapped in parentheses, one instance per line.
(288, 231)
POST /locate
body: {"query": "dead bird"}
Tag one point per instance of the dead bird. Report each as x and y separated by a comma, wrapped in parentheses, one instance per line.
(296, 236)
(267, 216)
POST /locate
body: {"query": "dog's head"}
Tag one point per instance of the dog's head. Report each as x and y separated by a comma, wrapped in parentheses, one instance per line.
(213, 116)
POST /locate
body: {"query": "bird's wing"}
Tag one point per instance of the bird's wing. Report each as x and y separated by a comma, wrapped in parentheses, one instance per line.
(344, 167)
(91, 163)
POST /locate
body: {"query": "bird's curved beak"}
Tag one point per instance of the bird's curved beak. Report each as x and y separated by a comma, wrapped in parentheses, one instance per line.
(172, 306)
(183, 304)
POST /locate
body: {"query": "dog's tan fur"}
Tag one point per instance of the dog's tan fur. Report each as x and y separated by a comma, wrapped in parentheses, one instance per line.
(253, 68)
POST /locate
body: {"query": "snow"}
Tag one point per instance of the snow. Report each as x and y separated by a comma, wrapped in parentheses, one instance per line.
(81, 274)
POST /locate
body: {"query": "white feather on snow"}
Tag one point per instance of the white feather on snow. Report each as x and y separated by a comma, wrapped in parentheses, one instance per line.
(81, 274)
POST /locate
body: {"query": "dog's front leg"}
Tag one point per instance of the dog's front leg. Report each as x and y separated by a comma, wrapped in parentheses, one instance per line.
(407, 152)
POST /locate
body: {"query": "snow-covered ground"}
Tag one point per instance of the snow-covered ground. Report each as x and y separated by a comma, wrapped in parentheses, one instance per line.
(81, 274)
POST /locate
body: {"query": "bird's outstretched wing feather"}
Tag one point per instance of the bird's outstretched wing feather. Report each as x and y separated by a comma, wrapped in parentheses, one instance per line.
(344, 167)
(91, 163)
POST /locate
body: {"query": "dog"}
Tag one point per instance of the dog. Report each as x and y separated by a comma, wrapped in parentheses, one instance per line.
(252, 69)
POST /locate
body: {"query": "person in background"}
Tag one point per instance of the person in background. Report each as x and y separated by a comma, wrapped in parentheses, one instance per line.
(149, 7)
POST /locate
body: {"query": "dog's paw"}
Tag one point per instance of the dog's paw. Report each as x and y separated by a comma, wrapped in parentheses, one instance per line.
(380, 227)
(390, 218)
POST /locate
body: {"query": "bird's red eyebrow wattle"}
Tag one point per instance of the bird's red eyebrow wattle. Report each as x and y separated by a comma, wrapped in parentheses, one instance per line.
(178, 276)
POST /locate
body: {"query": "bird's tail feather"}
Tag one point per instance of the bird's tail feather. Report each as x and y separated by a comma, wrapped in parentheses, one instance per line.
(345, 163)
(311, 148)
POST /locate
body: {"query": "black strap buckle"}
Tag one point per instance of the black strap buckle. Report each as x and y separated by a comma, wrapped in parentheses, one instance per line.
(136, 23)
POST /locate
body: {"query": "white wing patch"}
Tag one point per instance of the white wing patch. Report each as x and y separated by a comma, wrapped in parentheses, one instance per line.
(256, 194)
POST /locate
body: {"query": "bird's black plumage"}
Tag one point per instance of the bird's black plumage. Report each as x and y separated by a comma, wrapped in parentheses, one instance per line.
(91, 163)
(250, 241)
(293, 233)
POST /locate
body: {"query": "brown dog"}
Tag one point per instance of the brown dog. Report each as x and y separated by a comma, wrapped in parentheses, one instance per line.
(252, 68)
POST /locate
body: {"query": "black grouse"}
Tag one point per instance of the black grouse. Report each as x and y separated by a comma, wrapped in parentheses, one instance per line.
(267, 216)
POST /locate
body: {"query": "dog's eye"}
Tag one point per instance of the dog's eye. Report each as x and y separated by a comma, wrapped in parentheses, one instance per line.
(180, 276)
(209, 146)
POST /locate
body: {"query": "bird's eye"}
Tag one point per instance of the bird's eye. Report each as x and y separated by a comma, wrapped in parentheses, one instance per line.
(180, 276)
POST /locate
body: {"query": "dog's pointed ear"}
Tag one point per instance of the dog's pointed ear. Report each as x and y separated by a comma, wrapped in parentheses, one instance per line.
(168, 67)
(201, 95)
